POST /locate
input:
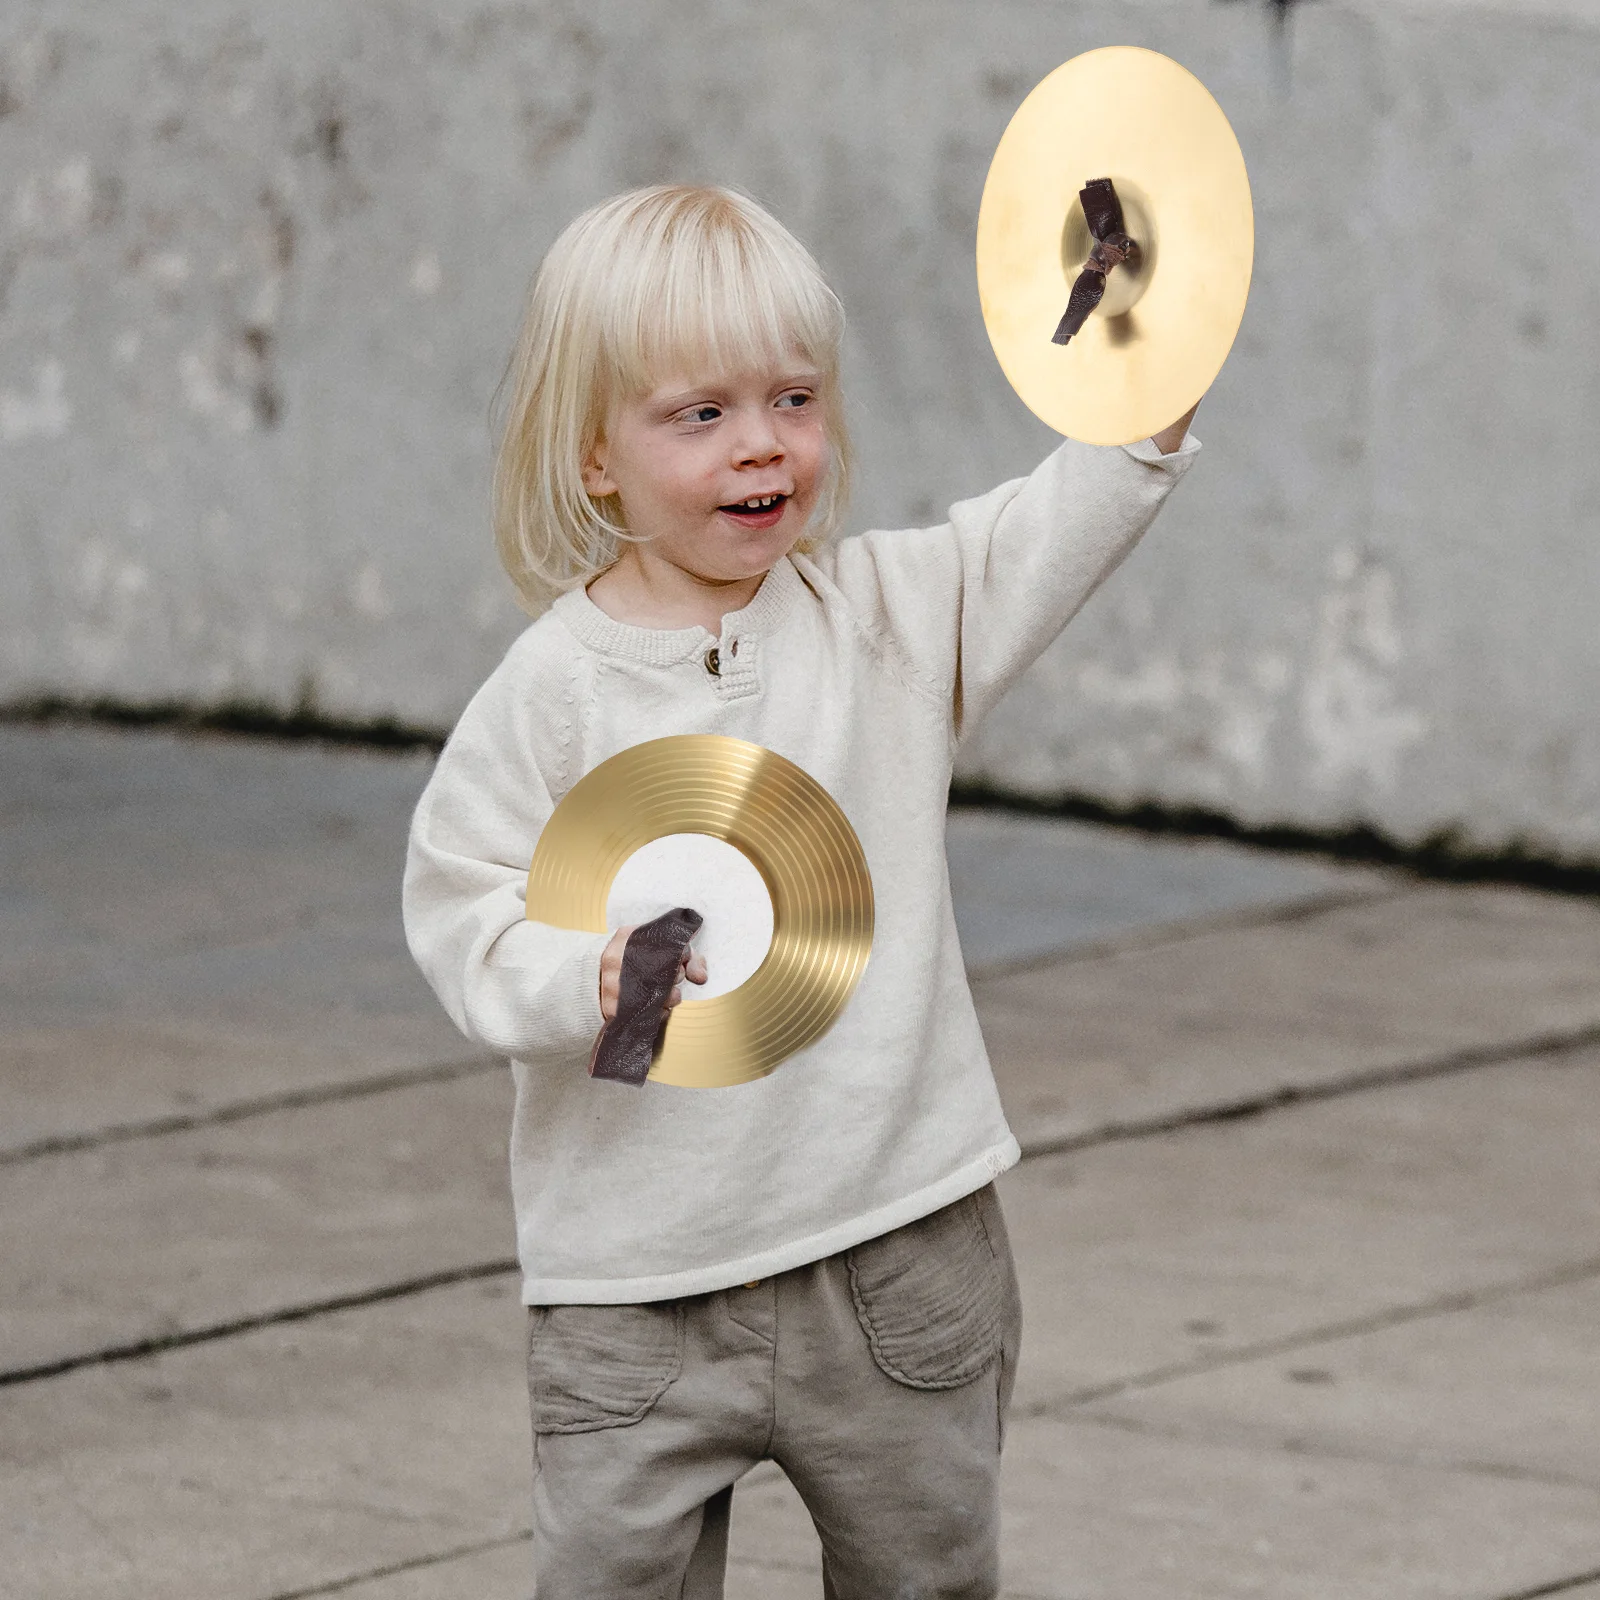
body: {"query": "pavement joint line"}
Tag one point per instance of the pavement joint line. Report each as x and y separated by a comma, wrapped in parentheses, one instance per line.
(1155, 935)
(1109, 1133)
(1289, 1096)
(508, 1541)
(393, 1569)
(1549, 1044)
(1303, 1445)
(244, 1110)
(296, 1099)
(1279, 1099)
(1557, 1586)
(462, 1552)
(1457, 1300)
(1137, 1128)
(161, 1344)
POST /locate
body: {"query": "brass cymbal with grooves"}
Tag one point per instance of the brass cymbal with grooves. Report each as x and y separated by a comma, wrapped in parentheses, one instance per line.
(797, 838)
(1161, 334)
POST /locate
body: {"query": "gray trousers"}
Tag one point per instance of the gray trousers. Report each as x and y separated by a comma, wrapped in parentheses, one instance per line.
(877, 1379)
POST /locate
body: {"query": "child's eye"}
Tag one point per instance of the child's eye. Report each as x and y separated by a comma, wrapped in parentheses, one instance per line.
(703, 414)
(797, 399)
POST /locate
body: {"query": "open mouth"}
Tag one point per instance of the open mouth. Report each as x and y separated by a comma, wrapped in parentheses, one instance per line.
(760, 511)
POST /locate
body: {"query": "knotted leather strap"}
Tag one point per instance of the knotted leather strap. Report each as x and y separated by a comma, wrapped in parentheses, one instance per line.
(1102, 210)
(651, 960)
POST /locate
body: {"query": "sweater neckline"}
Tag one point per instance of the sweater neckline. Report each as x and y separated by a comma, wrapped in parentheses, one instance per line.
(664, 647)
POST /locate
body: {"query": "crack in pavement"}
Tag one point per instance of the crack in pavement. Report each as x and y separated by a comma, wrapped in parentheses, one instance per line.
(159, 1344)
(324, 1094)
(463, 1551)
(507, 1541)
(1287, 1096)
(1261, 1437)
(1157, 934)
(1324, 1333)
(395, 1568)
(244, 1110)
(1557, 1586)
(1282, 1099)
(1279, 1098)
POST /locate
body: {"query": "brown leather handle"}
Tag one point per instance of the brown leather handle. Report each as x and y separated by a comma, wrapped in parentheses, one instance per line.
(1102, 210)
(651, 960)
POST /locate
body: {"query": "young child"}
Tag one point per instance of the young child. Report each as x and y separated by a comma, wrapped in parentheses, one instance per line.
(811, 1268)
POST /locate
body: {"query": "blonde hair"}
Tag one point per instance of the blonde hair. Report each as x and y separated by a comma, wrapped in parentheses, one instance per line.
(638, 286)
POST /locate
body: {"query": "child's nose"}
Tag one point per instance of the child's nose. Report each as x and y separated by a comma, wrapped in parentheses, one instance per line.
(757, 443)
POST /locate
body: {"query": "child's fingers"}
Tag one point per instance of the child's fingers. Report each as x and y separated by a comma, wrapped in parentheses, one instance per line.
(693, 967)
(611, 972)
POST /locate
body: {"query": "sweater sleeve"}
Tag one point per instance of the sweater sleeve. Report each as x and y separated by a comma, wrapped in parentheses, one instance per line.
(968, 606)
(524, 989)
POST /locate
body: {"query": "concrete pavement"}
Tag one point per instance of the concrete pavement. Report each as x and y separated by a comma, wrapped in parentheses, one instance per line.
(1309, 1230)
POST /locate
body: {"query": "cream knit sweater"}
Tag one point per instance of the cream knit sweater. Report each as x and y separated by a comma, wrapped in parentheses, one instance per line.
(863, 663)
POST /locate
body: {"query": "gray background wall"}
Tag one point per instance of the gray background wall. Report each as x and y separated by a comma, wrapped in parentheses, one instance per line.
(260, 267)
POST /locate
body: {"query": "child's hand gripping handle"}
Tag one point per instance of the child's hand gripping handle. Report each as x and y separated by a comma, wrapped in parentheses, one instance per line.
(653, 959)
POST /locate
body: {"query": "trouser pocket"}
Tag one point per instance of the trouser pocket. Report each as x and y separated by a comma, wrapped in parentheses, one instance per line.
(592, 1367)
(930, 1298)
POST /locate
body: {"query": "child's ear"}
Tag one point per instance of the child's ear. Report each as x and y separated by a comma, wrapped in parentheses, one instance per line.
(596, 480)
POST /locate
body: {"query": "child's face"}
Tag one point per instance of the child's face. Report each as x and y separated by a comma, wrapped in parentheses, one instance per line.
(686, 459)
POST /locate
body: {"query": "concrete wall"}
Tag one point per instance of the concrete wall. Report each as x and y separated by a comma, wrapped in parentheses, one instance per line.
(260, 266)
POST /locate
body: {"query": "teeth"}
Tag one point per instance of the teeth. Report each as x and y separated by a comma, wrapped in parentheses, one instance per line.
(760, 502)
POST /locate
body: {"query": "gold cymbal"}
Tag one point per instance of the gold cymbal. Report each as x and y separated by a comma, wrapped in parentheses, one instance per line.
(1162, 332)
(794, 834)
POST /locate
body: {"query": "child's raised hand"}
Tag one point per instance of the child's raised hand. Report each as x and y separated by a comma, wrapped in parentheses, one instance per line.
(611, 973)
(1170, 439)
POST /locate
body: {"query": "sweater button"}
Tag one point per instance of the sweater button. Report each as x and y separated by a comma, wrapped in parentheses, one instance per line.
(713, 662)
